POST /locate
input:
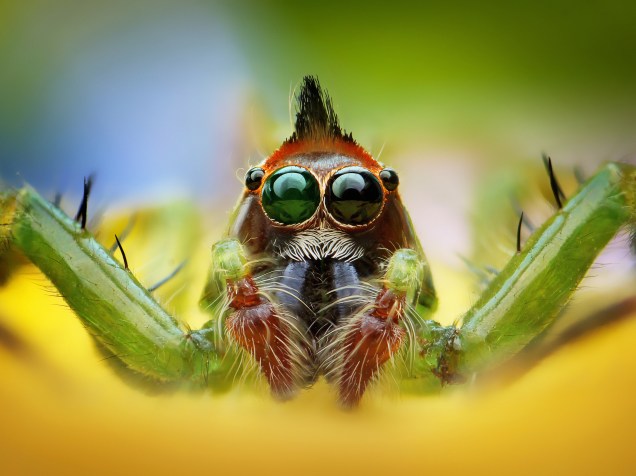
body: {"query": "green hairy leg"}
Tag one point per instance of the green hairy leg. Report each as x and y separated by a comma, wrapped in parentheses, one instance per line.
(120, 313)
(530, 292)
(519, 304)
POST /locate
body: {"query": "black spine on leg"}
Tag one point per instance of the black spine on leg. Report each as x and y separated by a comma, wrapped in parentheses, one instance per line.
(121, 249)
(124, 234)
(519, 233)
(82, 212)
(559, 196)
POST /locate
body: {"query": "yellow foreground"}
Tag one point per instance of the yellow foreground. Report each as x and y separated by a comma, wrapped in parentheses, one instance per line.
(64, 411)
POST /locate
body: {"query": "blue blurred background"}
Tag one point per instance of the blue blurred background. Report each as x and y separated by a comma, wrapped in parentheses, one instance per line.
(163, 99)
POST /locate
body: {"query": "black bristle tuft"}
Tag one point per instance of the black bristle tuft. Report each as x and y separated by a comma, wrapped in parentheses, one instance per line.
(559, 196)
(121, 250)
(315, 116)
(519, 233)
(82, 212)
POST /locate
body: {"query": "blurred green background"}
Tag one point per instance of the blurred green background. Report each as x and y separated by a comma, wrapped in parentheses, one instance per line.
(173, 98)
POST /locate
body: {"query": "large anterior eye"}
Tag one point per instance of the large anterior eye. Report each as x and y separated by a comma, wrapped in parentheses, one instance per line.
(290, 195)
(354, 196)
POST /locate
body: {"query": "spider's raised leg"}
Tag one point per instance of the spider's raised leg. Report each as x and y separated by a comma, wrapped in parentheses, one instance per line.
(530, 292)
(119, 312)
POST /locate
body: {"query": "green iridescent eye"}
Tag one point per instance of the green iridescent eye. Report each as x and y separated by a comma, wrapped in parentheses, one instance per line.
(354, 196)
(290, 195)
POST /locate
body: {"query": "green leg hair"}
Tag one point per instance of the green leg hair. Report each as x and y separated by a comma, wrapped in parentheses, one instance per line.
(531, 291)
(115, 307)
(524, 299)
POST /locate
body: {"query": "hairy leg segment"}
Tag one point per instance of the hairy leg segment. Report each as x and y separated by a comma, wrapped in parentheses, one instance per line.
(518, 305)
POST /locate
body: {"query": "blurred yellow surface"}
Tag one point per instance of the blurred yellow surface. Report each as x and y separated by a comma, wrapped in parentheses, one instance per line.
(65, 412)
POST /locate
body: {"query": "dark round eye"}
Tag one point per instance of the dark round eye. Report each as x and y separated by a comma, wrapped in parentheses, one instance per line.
(254, 177)
(354, 196)
(290, 195)
(390, 179)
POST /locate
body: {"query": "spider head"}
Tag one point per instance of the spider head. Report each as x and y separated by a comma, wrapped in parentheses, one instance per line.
(320, 179)
(320, 175)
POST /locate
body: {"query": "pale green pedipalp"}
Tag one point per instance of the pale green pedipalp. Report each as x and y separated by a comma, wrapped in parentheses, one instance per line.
(405, 272)
(524, 299)
(229, 261)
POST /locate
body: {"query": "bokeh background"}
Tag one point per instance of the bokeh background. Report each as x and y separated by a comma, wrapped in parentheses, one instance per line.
(162, 99)
(170, 101)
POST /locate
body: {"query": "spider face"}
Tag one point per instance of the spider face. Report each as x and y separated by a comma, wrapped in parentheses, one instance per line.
(312, 187)
(329, 215)
(309, 193)
(324, 217)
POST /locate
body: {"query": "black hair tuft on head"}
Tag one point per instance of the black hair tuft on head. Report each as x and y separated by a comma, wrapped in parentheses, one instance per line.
(315, 117)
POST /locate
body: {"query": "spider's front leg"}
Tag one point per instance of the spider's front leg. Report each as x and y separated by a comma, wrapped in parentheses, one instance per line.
(253, 321)
(115, 307)
(530, 292)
